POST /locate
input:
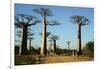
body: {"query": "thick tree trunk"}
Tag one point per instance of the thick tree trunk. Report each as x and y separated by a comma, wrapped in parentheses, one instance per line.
(29, 44)
(50, 43)
(68, 46)
(20, 48)
(24, 41)
(55, 46)
(79, 40)
(43, 46)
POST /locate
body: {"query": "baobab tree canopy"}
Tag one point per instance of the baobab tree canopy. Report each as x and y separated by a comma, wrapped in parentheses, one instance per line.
(46, 12)
(54, 37)
(80, 20)
(23, 19)
(43, 11)
(52, 23)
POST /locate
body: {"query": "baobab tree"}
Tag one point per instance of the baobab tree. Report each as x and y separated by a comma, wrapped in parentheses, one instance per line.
(50, 42)
(44, 12)
(29, 35)
(54, 38)
(51, 48)
(68, 43)
(24, 22)
(80, 21)
(30, 43)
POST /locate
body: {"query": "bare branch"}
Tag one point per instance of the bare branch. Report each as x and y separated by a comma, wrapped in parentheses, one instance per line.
(35, 22)
(38, 11)
(30, 34)
(18, 25)
(47, 34)
(25, 20)
(52, 23)
(54, 37)
(43, 11)
(17, 19)
(29, 18)
(80, 20)
(85, 21)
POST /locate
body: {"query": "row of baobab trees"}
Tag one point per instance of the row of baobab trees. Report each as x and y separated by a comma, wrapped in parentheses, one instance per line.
(24, 22)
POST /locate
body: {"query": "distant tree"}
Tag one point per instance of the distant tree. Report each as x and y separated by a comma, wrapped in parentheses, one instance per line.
(54, 38)
(44, 12)
(23, 22)
(30, 43)
(80, 21)
(68, 42)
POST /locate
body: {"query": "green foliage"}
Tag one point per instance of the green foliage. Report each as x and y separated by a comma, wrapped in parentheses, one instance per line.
(88, 49)
(89, 46)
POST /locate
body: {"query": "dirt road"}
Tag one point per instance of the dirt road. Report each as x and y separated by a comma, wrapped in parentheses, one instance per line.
(60, 59)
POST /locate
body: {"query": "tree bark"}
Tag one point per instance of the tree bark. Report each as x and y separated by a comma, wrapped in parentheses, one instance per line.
(24, 41)
(20, 48)
(29, 44)
(43, 46)
(68, 47)
(79, 39)
(55, 46)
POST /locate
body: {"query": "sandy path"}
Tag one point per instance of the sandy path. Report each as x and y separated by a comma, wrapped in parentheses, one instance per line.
(58, 59)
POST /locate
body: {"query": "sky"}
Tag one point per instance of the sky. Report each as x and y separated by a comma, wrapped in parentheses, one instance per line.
(67, 31)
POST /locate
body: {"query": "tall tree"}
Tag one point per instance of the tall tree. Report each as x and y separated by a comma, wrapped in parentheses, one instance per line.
(68, 43)
(54, 38)
(30, 43)
(50, 44)
(44, 12)
(29, 36)
(80, 21)
(24, 21)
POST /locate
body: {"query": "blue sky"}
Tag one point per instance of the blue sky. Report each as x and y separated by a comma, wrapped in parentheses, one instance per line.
(67, 31)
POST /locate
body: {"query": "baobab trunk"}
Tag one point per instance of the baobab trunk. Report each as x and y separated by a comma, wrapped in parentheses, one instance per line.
(79, 39)
(68, 47)
(20, 48)
(55, 46)
(24, 41)
(43, 47)
(29, 44)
